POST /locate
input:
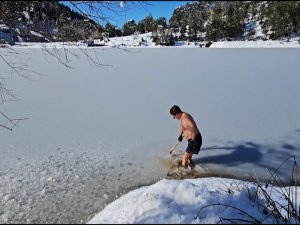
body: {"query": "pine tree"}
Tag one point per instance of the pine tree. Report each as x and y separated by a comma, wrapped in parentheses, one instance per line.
(279, 19)
(146, 25)
(160, 21)
(178, 22)
(234, 17)
(129, 28)
(216, 25)
(197, 16)
(111, 30)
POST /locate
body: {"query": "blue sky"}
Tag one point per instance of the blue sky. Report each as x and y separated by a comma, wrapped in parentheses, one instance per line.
(156, 8)
(138, 10)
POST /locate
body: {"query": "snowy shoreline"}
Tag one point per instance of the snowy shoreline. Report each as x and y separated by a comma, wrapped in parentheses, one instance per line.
(205, 200)
(145, 41)
(232, 44)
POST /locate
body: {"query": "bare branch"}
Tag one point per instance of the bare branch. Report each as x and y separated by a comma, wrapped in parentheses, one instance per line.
(16, 65)
(106, 10)
(253, 219)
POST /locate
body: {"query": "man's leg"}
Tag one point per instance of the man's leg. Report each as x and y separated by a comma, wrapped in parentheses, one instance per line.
(191, 164)
(186, 159)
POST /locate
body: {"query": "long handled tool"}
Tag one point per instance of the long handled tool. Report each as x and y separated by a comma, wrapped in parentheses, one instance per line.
(174, 147)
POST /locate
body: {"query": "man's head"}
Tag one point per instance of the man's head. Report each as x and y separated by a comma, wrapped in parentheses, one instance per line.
(175, 110)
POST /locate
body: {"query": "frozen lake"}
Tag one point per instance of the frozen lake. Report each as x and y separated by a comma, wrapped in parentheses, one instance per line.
(95, 133)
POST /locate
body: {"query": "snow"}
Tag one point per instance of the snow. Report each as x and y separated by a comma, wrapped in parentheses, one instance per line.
(165, 201)
(256, 44)
(3, 26)
(26, 14)
(36, 34)
(145, 41)
(190, 201)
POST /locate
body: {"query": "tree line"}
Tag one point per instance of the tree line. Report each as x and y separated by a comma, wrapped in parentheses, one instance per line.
(220, 20)
(197, 21)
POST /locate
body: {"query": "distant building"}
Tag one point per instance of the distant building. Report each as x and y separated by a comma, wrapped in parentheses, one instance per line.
(5, 34)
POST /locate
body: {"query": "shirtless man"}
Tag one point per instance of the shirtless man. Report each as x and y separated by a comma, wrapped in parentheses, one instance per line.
(190, 131)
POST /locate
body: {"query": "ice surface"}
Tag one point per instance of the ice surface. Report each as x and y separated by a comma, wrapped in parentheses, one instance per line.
(91, 132)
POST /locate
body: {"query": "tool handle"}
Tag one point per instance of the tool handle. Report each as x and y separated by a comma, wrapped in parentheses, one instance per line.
(174, 147)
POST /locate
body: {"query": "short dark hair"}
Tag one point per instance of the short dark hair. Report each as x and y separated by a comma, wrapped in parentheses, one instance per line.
(174, 110)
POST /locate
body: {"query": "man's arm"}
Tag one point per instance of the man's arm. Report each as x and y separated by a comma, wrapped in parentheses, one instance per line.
(180, 136)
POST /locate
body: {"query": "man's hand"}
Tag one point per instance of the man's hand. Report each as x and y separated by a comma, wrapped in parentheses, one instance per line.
(180, 138)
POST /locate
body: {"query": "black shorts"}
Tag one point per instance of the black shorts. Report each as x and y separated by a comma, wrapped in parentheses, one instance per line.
(194, 145)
